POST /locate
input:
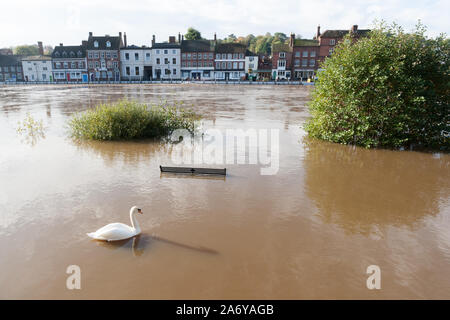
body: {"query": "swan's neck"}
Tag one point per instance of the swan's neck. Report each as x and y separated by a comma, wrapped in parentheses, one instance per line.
(134, 222)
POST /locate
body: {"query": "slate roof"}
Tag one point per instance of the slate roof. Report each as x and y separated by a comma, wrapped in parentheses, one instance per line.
(116, 42)
(231, 48)
(166, 45)
(342, 33)
(70, 51)
(9, 60)
(36, 58)
(197, 45)
(134, 47)
(281, 47)
(305, 43)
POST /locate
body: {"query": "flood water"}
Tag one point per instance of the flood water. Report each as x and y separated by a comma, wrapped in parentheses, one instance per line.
(309, 231)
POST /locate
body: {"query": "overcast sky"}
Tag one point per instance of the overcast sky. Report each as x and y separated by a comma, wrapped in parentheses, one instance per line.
(69, 21)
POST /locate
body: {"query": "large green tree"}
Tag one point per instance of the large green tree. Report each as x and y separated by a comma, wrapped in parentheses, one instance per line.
(389, 89)
(192, 34)
(26, 50)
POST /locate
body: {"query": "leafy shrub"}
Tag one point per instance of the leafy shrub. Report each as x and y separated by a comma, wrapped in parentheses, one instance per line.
(389, 89)
(125, 120)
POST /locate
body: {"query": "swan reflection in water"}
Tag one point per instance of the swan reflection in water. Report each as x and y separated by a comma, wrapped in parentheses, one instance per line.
(141, 242)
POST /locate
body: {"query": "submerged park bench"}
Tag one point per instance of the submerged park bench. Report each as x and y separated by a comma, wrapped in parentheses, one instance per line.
(222, 172)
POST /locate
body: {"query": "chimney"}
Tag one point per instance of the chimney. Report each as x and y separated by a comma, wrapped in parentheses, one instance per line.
(171, 39)
(153, 40)
(125, 39)
(354, 28)
(215, 39)
(182, 37)
(318, 32)
(84, 43)
(179, 37)
(90, 34)
(291, 42)
(41, 48)
(60, 44)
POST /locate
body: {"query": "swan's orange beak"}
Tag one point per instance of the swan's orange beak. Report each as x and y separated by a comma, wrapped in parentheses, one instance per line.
(140, 211)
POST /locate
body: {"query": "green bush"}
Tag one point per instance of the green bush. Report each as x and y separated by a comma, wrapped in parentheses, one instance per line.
(125, 120)
(389, 89)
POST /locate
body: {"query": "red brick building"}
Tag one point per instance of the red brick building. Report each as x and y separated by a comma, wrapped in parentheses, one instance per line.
(305, 58)
(330, 38)
(103, 57)
(197, 59)
(281, 61)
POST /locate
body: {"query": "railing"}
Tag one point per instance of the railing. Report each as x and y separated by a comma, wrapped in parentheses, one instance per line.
(227, 82)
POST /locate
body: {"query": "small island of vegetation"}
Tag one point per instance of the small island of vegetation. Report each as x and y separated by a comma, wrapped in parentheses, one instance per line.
(126, 120)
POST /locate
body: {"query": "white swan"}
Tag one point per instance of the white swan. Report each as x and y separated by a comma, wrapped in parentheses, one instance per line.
(118, 231)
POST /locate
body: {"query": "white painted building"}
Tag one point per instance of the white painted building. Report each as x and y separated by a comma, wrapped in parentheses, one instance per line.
(136, 63)
(251, 64)
(230, 61)
(166, 60)
(37, 68)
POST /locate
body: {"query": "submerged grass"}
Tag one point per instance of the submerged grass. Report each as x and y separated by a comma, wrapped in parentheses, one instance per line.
(126, 120)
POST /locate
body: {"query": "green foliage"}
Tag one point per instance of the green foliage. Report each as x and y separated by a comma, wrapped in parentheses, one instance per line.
(27, 50)
(193, 34)
(390, 89)
(31, 129)
(125, 120)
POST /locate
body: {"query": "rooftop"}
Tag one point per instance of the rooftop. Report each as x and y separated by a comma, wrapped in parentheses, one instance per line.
(305, 43)
(197, 45)
(231, 48)
(37, 58)
(115, 41)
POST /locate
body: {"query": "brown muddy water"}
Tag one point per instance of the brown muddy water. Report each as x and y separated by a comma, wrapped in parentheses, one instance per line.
(310, 231)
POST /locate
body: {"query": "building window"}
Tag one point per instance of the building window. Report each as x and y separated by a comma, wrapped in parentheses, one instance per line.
(115, 64)
(102, 54)
(241, 65)
(312, 62)
(183, 64)
(205, 56)
(108, 55)
(235, 65)
(91, 65)
(174, 61)
(158, 61)
(282, 55)
(174, 51)
(136, 56)
(147, 56)
(136, 70)
(281, 63)
(183, 55)
(304, 63)
(194, 56)
(73, 65)
(189, 64)
(312, 54)
(157, 51)
(297, 54)
(96, 64)
(188, 55)
(108, 44)
(224, 65)
(166, 51)
(241, 56)
(127, 56)
(330, 51)
(166, 60)
(210, 55)
(297, 63)
(218, 56)
(66, 65)
(166, 71)
(305, 54)
(332, 42)
(217, 65)
(96, 44)
(114, 55)
(229, 57)
(96, 55)
(174, 71)
(210, 64)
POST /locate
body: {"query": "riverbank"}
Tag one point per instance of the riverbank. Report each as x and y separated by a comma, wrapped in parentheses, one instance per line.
(161, 82)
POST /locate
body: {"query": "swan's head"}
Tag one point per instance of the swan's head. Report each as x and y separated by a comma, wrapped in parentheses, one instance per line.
(136, 209)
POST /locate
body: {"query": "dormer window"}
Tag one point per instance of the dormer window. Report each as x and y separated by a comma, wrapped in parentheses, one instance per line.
(108, 44)
(96, 44)
(282, 55)
(57, 54)
(72, 54)
(64, 54)
(79, 53)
